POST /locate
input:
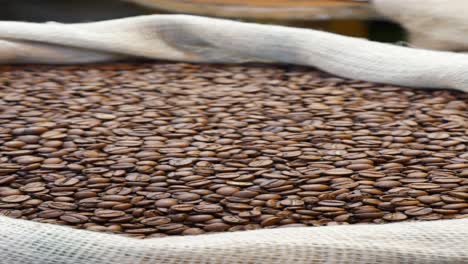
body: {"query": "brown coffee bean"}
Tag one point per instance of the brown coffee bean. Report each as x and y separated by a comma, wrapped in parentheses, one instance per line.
(108, 213)
(328, 203)
(182, 207)
(180, 162)
(15, 198)
(291, 154)
(29, 139)
(33, 187)
(387, 184)
(192, 231)
(28, 159)
(234, 220)
(395, 217)
(327, 209)
(371, 174)
(29, 131)
(428, 199)
(292, 202)
(438, 135)
(418, 211)
(423, 186)
(66, 181)
(169, 227)
(156, 221)
(273, 220)
(62, 206)
(103, 116)
(163, 153)
(338, 172)
(165, 203)
(74, 218)
(315, 187)
(85, 194)
(261, 163)
(216, 227)
(227, 191)
(208, 208)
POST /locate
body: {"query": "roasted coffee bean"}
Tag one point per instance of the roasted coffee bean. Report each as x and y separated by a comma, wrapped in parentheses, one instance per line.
(151, 150)
(418, 211)
(24, 160)
(395, 217)
(156, 221)
(15, 198)
(315, 187)
(109, 213)
(74, 218)
(261, 163)
(338, 172)
(62, 206)
(208, 208)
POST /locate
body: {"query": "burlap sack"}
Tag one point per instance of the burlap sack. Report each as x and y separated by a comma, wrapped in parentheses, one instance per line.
(198, 39)
(438, 242)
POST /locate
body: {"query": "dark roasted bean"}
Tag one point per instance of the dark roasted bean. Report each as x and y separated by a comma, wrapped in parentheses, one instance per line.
(152, 150)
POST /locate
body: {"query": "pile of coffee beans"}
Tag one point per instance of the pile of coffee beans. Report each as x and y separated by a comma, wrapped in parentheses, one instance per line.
(150, 150)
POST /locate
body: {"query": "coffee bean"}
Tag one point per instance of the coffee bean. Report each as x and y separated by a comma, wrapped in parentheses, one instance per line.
(29, 131)
(156, 221)
(338, 172)
(103, 116)
(208, 208)
(395, 217)
(291, 202)
(273, 220)
(15, 198)
(180, 162)
(165, 203)
(192, 231)
(28, 159)
(428, 199)
(291, 154)
(418, 211)
(438, 135)
(261, 163)
(154, 150)
(423, 186)
(74, 218)
(331, 203)
(227, 191)
(62, 206)
(108, 213)
(49, 214)
(66, 181)
(315, 187)
(371, 174)
(4, 180)
(33, 187)
(216, 227)
(387, 184)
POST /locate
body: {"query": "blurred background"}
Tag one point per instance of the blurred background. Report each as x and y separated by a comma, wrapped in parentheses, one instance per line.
(347, 17)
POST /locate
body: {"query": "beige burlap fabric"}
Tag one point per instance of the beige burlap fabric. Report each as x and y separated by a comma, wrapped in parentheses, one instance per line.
(198, 39)
(23, 242)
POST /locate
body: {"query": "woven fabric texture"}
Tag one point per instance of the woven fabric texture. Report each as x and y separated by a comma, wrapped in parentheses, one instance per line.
(199, 39)
(437, 242)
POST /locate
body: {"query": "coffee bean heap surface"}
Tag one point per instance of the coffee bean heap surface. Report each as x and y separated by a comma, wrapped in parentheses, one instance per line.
(150, 150)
